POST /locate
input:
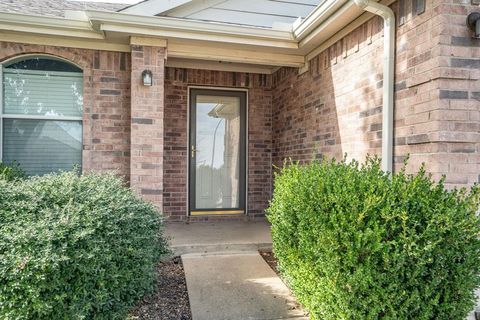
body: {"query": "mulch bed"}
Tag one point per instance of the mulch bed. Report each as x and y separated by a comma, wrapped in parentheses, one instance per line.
(270, 260)
(169, 301)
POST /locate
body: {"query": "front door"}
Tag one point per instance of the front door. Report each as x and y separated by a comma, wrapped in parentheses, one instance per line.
(217, 152)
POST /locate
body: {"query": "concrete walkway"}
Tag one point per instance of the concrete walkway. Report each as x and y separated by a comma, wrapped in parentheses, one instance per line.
(236, 286)
(226, 277)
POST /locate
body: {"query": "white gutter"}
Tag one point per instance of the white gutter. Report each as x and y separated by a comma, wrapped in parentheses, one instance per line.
(47, 25)
(321, 12)
(388, 76)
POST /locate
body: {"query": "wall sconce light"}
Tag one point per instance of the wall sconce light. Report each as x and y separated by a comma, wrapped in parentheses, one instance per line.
(147, 78)
(473, 22)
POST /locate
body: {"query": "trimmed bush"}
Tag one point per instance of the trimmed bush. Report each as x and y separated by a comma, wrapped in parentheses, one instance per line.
(75, 247)
(354, 243)
(11, 172)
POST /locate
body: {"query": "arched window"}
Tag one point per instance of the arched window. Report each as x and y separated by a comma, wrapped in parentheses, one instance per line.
(41, 114)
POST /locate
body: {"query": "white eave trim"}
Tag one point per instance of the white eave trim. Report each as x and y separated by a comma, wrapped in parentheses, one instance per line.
(94, 24)
(48, 25)
(322, 12)
(102, 17)
(43, 21)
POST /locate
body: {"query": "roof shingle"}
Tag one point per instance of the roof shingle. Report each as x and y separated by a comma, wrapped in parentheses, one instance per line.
(55, 8)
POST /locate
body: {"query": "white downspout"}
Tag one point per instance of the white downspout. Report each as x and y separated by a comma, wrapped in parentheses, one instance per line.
(388, 76)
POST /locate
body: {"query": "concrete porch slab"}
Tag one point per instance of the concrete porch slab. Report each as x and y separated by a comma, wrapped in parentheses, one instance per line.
(236, 286)
(224, 236)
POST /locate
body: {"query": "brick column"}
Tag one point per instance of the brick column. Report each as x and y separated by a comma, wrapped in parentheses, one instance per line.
(146, 159)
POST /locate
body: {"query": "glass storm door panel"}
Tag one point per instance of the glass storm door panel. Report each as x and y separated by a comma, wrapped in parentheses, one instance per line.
(217, 152)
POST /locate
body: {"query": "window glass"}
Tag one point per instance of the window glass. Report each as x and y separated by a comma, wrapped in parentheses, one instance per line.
(217, 145)
(41, 146)
(44, 64)
(42, 93)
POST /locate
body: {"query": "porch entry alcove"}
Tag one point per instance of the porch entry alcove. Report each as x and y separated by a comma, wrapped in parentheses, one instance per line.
(217, 151)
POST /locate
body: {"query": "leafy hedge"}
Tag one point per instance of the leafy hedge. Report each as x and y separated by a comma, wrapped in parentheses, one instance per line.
(354, 243)
(75, 247)
(11, 172)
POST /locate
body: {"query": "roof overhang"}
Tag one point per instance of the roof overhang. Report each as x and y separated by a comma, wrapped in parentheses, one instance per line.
(167, 27)
(48, 25)
(224, 45)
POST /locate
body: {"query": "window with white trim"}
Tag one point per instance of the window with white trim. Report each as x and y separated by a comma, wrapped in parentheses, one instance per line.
(41, 114)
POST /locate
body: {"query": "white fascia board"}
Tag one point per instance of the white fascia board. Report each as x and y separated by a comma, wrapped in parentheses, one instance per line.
(154, 7)
(187, 25)
(330, 25)
(43, 21)
(332, 28)
(48, 25)
(179, 34)
(317, 16)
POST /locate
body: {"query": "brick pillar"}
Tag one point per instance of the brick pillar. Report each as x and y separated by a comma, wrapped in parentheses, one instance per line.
(146, 159)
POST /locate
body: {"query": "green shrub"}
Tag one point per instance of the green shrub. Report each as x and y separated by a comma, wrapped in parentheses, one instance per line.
(354, 243)
(75, 247)
(11, 172)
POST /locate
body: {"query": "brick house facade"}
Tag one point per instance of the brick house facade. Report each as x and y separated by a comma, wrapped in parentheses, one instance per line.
(336, 107)
(332, 109)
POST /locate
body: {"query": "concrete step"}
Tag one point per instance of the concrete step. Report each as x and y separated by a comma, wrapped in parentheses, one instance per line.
(179, 250)
(221, 236)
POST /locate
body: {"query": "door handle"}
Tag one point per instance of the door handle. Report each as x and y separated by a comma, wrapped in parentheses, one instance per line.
(194, 151)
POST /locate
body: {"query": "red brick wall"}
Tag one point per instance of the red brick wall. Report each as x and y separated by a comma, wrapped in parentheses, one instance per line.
(147, 125)
(110, 114)
(335, 108)
(439, 71)
(177, 81)
(106, 93)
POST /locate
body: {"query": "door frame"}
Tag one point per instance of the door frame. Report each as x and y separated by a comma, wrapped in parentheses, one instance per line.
(244, 138)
